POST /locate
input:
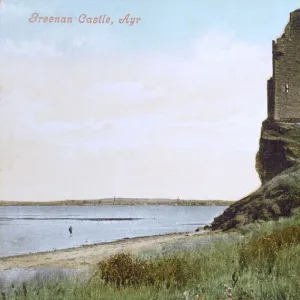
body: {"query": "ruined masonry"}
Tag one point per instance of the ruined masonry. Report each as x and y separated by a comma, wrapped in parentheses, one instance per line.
(284, 85)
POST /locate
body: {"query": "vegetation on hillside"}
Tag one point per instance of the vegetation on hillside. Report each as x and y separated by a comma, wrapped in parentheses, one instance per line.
(276, 198)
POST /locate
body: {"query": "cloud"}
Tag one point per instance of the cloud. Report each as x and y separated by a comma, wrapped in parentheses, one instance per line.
(142, 124)
(12, 14)
(34, 49)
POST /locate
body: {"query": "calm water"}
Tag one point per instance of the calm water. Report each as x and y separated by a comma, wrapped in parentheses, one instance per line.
(34, 229)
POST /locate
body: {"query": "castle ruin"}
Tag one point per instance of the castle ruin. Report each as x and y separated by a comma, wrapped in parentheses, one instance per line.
(284, 85)
(278, 157)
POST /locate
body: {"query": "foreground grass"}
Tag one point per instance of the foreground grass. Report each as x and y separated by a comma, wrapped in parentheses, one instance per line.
(264, 264)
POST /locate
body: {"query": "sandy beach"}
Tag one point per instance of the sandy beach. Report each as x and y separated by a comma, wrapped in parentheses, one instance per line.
(88, 255)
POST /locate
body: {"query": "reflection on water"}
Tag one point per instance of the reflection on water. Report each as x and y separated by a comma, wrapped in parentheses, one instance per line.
(30, 229)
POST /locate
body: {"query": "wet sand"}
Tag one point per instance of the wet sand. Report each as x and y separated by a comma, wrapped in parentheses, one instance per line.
(88, 255)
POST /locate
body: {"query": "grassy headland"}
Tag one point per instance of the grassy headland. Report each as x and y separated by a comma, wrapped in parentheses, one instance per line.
(120, 201)
(260, 261)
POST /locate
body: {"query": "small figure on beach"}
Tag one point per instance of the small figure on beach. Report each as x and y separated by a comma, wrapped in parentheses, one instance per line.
(70, 229)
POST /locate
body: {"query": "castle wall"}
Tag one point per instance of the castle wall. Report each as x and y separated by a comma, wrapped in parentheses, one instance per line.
(271, 99)
(286, 73)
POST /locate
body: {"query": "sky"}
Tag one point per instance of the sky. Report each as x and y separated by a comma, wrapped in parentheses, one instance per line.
(168, 107)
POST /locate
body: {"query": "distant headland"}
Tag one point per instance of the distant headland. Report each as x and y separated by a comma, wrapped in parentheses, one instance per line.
(120, 201)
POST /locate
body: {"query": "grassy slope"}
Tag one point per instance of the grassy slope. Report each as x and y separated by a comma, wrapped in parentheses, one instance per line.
(200, 271)
(274, 199)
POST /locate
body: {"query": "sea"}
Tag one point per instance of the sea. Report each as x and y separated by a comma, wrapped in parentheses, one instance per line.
(31, 229)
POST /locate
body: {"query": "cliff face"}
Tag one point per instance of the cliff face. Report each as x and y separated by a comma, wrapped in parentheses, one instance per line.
(278, 165)
(279, 148)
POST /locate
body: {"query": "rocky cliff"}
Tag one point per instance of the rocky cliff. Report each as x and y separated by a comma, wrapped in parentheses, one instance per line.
(279, 148)
(278, 165)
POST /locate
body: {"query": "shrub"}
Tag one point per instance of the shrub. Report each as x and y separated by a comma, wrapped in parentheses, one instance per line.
(125, 270)
(121, 269)
(169, 270)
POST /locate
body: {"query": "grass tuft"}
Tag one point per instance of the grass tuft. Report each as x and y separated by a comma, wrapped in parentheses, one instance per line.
(262, 252)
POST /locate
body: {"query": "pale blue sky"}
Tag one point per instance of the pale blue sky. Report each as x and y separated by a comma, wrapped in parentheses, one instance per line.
(169, 107)
(167, 23)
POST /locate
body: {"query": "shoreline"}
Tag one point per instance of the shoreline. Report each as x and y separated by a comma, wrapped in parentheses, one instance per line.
(87, 256)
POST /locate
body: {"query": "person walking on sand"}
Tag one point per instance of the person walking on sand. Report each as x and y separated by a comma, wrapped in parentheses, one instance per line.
(70, 229)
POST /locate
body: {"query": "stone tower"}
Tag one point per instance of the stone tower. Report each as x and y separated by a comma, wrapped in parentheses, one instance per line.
(284, 85)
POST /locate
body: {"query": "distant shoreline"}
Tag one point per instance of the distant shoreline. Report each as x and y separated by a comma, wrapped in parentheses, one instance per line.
(120, 201)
